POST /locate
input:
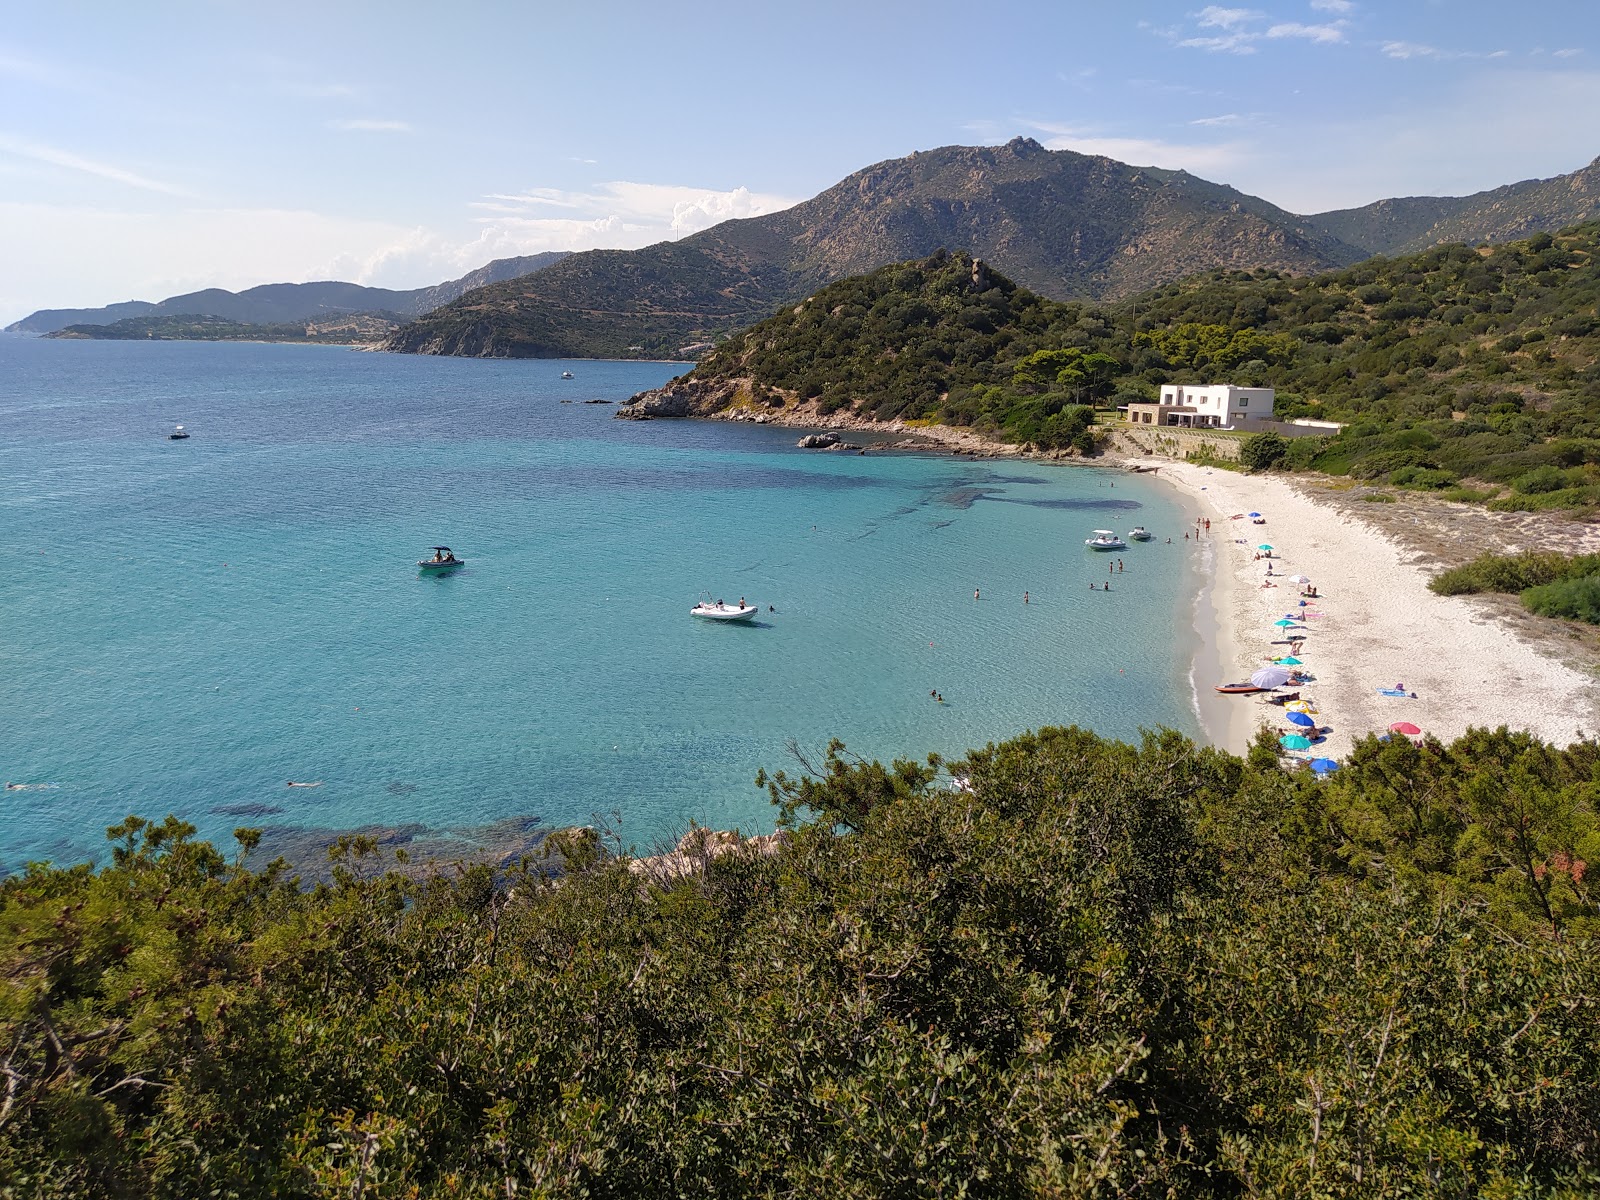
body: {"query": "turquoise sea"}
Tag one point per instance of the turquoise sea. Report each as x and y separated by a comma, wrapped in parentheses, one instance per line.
(186, 626)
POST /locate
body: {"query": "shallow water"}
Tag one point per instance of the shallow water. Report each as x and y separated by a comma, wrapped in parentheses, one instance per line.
(189, 625)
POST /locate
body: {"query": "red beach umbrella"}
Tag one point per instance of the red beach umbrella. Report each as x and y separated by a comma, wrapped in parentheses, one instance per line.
(1405, 727)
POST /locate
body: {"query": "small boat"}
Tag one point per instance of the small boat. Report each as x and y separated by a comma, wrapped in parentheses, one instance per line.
(444, 559)
(716, 610)
(566, 374)
(1139, 533)
(1104, 539)
(1239, 689)
(178, 434)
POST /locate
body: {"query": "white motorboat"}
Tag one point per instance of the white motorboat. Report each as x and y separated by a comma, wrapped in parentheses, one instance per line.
(1139, 533)
(566, 374)
(178, 434)
(1105, 539)
(444, 559)
(716, 610)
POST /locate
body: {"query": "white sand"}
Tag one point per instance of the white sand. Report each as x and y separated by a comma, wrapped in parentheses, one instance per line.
(1376, 624)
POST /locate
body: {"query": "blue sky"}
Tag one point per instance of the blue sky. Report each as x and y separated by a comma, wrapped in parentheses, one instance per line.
(155, 148)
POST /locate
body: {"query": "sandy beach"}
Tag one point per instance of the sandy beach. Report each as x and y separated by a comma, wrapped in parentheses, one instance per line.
(1373, 625)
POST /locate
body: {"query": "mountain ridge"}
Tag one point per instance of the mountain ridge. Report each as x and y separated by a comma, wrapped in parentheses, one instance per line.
(277, 303)
(1067, 225)
(1407, 224)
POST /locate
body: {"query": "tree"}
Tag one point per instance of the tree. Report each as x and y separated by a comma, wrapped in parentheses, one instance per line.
(1261, 450)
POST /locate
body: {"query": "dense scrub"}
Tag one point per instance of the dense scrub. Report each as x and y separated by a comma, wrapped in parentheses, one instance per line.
(1096, 969)
(1457, 364)
(1554, 585)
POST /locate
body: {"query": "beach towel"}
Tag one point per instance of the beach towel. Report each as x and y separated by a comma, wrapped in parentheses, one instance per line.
(1392, 692)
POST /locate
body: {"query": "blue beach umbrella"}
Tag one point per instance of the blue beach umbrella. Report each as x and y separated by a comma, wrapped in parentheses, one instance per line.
(1254, 514)
(1263, 546)
(1324, 765)
(1293, 741)
(1288, 660)
(1300, 718)
(1284, 623)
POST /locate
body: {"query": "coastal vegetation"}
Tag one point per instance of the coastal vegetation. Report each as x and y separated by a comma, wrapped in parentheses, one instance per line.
(1551, 584)
(1470, 372)
(1089, 969)
(362, 327)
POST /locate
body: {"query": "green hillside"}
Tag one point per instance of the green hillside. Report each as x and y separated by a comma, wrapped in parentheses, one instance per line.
(1096, 970)
(1457, 364)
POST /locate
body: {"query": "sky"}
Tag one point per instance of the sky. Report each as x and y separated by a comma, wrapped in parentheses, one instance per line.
(152, 149)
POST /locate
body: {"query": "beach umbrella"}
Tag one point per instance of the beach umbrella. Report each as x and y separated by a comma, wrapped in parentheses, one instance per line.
(1299, 718)
(1300, 706)
(1263, 546)
(1253, 514)
(1270, 677)
(1284, 622)
(1288, 660)
(1293, 741)
(1405, 727)
(1324, 765)
(1298, 579)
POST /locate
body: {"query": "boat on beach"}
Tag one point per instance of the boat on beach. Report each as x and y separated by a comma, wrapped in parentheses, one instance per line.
(444, 559)
(1105, 539)
(716, 610)
(1239, 689)
(1139, 533)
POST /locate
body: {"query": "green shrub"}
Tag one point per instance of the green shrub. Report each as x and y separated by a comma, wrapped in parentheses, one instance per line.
(1575, 598)
(1539, 480)
(1513, 573)
(1574, 497)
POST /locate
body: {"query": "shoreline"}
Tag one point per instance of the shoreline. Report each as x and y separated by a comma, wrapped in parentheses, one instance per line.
(1374, 624)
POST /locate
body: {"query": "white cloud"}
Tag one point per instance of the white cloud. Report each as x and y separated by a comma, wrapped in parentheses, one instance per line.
(1333, 6)
(1242, 29)
(370, 125)
(1333, 32)
(1224, 119)
(66, 159)
(1214, 17)
(1211, 159)
(1570, 52)
(1413, 50)
(662, 210)
(120, 255)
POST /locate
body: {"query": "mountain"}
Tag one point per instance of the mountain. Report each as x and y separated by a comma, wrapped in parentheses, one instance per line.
(1061, 223)
(277, 303)
(1414, 223)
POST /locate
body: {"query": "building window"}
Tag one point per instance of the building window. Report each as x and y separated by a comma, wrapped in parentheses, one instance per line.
(1243, 403)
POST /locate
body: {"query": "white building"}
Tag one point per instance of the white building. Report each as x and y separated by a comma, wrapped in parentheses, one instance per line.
(1206, 406)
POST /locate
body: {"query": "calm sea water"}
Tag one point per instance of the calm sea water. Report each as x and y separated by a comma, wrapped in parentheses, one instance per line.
(185, 626)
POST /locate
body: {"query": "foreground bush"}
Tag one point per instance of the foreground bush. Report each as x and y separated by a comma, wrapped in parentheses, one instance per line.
(1094, 969)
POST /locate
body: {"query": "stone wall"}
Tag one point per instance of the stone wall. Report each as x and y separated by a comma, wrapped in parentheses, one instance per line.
(1172, 441)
